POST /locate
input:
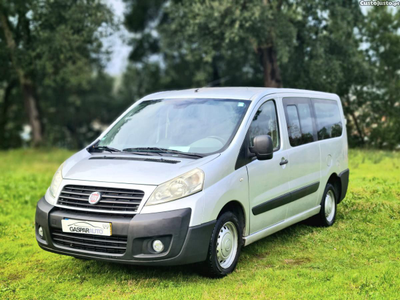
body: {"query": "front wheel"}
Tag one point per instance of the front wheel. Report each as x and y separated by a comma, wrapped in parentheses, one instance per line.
(225, 245)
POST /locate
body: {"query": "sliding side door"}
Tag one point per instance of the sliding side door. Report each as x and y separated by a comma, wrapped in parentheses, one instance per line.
(303, 155)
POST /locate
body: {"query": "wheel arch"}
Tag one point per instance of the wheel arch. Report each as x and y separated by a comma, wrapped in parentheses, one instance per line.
(237, 208)
(334, 179)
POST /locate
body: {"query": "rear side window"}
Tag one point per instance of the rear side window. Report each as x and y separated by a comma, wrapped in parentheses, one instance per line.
(299, 121)
(328, 120)
(265, 122)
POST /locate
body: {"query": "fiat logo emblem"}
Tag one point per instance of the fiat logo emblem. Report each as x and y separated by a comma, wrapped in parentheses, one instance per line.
(94, 197)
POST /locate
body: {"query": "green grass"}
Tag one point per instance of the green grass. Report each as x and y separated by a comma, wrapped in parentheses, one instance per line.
(357, 258)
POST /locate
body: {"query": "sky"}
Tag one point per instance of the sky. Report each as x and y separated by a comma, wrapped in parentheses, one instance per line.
(118, 42)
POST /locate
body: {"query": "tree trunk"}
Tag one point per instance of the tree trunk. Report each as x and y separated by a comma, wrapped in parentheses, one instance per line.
(75, 140)
(216, 80)
(352, 114)
(269, 62)
(358, 128)
(33, 113)
(4, 113)
(31, 104)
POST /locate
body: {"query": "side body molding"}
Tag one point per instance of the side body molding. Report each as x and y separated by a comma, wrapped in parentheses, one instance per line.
(285, 198)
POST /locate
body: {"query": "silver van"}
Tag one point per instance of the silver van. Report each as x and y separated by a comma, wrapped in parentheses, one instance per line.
(192, 176)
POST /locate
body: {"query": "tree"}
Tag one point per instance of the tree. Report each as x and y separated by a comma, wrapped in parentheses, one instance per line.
(262, 35)
(25, 81)
(327, 57)
(382, 35)
(51, 44)
(159, 49)
(213, 29)
(77, 116)
(8, 84)
(304, 44)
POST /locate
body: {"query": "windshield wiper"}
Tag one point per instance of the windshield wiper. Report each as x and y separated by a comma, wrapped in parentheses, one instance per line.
(103, 148)
(143, 150)
(183, 153)
(162, 150)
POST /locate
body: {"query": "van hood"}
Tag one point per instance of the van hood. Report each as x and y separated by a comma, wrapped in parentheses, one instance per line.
(129, 168)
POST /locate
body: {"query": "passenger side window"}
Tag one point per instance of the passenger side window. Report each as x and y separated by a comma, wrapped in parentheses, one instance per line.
(293, 125)
(329, 122)
(299, 123)
(306, 123)
(265, 122)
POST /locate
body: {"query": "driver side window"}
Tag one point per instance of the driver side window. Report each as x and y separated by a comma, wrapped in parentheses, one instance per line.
(265, 122)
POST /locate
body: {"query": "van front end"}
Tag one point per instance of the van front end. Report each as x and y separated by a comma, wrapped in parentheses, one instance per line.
(139, 194)
(71, 227)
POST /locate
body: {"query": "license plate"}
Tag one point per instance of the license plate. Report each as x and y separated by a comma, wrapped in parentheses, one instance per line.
(86, 227)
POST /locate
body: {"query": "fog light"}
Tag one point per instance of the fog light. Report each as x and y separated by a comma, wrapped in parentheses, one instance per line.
(40, 231)
(158, 246)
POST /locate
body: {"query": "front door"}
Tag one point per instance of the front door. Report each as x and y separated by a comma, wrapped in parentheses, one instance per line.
(268, 179)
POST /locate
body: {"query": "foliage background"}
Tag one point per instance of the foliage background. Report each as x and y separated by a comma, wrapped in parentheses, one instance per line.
(52, 59)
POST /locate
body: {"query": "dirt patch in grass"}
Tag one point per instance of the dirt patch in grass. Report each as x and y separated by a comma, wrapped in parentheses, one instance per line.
(297, 261)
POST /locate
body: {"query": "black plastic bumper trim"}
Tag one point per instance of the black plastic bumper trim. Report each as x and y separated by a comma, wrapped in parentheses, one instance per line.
(344, 180)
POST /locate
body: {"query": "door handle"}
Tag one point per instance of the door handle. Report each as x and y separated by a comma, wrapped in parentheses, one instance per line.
(283, 162)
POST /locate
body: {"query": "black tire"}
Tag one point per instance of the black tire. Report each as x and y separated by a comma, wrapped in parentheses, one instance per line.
(321, 219)
(211, 266)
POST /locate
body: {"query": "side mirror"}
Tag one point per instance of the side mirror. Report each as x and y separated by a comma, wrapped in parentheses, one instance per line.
(263, 147)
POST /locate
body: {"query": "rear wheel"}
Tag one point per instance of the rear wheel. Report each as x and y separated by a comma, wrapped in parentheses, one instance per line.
(327, 215)
(225, 245)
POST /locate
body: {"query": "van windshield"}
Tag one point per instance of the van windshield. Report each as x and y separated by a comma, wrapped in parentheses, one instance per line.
(201, 126)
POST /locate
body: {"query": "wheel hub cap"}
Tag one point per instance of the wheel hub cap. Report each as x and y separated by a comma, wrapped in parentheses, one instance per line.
(329, 206)
(227, 245)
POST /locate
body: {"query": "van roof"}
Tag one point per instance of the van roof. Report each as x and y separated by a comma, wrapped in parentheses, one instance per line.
(244, 93)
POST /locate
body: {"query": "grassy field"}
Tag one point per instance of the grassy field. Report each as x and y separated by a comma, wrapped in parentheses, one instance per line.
(357, 258)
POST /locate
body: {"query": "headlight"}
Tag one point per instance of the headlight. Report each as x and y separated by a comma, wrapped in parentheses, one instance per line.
(55, 183)
(179, 187)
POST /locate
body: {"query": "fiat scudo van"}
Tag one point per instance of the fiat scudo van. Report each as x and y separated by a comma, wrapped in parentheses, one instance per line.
(192, 176)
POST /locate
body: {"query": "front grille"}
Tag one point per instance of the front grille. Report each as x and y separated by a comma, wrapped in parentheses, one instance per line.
(112, 199)
(89, 242)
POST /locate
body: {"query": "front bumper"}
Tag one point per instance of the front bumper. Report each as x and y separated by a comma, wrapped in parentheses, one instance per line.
(183, 244)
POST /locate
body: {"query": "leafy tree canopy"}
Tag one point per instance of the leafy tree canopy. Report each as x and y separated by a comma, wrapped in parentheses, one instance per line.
(50, 48)
(325, 45)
